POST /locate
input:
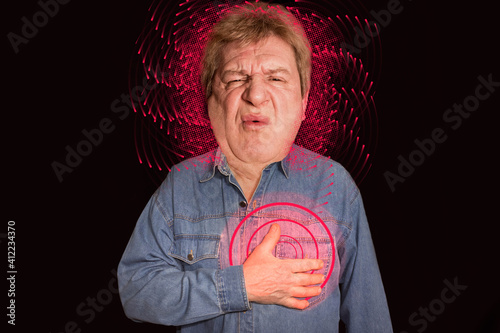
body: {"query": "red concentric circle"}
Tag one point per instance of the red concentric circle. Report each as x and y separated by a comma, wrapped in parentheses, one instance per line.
(293, 238)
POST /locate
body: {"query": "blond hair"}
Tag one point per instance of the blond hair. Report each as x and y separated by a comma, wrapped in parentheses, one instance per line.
(249, 24)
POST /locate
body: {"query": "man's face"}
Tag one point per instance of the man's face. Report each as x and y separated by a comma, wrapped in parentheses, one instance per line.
(256, 106)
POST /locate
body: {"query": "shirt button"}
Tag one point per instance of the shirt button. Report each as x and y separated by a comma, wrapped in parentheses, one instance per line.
(243, 204)
(190, 256)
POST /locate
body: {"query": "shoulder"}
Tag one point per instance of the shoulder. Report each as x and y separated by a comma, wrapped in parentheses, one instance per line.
(193, 169)
(303, 163)
(190, 171)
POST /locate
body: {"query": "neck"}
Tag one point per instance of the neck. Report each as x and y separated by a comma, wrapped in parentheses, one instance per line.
(248, 173)
(248, 176)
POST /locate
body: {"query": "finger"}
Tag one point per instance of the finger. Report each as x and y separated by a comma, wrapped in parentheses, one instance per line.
(305, 265)
(271, 239)
(294, 303)
(305, 291)
(304, 279)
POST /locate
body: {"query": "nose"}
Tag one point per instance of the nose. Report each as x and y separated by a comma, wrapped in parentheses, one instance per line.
(256, 92)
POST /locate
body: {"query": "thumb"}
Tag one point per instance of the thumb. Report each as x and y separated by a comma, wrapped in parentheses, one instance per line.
(271, 239)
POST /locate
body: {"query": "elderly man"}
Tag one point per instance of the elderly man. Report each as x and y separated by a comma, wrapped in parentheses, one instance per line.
(176, 269)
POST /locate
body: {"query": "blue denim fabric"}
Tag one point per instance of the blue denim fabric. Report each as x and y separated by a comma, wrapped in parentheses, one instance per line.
(176, 269)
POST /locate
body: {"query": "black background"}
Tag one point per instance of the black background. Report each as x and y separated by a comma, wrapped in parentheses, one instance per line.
(439, 224)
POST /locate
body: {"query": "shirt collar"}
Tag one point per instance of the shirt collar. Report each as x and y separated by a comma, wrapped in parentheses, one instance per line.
(220, 163)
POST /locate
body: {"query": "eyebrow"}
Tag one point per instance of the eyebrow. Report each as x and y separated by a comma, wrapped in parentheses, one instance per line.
(279, 70)
(234, 72)
(272, 71)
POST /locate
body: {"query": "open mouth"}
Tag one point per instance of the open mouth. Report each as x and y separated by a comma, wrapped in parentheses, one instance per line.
(254, 122)
(256, 119)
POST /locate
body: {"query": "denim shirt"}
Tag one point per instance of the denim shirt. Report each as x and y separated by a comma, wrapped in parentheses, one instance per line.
(183, 263)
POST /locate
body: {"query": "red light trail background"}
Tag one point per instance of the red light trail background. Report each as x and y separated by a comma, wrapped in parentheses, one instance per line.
(173, 125)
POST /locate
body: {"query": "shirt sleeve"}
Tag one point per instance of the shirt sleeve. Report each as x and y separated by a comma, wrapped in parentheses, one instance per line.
(154, 287)
(364, 306)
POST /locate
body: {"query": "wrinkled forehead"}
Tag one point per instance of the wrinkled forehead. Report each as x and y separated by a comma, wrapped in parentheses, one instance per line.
(271, 53)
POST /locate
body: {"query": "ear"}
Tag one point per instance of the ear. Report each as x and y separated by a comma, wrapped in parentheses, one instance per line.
(304, 104)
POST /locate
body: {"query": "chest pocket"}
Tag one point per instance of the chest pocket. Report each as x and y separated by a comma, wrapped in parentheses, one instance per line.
(196, 251)
(306, 247)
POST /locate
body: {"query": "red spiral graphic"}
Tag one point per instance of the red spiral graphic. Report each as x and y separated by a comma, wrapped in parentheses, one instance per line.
(287, 205)
(172, 123)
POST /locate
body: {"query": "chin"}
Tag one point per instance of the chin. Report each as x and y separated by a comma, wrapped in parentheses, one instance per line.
(266, 153)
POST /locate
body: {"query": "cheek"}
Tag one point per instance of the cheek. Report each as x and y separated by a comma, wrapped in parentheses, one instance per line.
(291, 120)
(215, 114)
(222, 110)
(290, 110)
(230, 105)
